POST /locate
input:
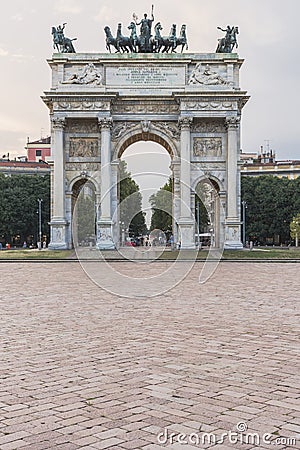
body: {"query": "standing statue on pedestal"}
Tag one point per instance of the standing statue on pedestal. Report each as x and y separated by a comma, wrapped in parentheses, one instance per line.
(227, 44)
(145, 37)
(60, 42)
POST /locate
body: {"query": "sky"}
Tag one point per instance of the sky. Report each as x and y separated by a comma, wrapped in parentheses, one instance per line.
(268, 42)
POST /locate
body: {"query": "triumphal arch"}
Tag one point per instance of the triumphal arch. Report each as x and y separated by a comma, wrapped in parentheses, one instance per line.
(190, 103)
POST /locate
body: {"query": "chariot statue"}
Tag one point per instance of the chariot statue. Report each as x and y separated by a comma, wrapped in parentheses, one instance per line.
(142, 40)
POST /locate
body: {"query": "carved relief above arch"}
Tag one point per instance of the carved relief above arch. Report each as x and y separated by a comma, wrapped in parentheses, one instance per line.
(216, 181)
(164, 133)
(80, 179)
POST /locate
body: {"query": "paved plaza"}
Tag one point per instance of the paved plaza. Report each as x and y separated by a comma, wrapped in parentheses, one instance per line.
(84, 369)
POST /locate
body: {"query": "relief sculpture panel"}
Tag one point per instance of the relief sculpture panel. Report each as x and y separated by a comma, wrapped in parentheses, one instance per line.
(82, 126)
(206, 147)
(83, 147)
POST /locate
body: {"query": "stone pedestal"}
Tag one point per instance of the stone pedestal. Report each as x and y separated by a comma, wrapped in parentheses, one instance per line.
(58, 235)
(105, 235)
(232, 235)
(186, 233)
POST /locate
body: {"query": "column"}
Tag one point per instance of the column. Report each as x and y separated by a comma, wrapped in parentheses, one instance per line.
(58, 222)
(233, 225)
(114, 200)
(175, 167)
(186, 222)
(104, 224)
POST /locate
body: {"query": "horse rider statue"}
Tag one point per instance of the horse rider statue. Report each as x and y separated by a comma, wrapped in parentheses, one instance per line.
(227, 44)
(60, 42)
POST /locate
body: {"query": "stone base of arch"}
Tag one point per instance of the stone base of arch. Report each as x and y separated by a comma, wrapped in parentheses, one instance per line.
(105, 235)
(186, 233)
(232, 235)
(58, 232)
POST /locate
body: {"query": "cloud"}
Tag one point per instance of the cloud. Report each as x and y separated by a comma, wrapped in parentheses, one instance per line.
(67, 6)
(106, 13)
(17, 17)
(3, 52)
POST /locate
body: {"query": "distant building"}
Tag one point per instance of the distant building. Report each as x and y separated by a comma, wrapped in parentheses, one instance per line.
(33, 163)
(264, 163)
(38, 150)
(9, 168)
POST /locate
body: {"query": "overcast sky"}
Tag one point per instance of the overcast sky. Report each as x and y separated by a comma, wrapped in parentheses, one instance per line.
(268, 41)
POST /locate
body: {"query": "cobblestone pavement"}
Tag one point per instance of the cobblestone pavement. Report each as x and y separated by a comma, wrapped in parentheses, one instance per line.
(83, 369)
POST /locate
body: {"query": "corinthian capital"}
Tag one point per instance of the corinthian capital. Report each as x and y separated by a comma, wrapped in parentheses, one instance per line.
(185, 123)
(105, 123)
(58, 123)
(232, 122)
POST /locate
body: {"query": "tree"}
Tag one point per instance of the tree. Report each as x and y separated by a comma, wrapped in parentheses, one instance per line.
(271, 204)
(131, 214)
(161, 204)
(85, 215)
(295, 229)
(19, 206)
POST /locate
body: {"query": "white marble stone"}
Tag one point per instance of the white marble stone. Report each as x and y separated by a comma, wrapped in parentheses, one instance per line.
(189, 103)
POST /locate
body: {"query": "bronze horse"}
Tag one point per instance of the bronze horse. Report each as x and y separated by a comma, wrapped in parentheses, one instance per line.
(227, 44)
(61, 43)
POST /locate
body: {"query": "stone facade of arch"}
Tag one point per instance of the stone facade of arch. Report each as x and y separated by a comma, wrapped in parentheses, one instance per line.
(191, 104)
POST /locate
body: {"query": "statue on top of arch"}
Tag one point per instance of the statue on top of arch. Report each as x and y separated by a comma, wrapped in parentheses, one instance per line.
(146, 41)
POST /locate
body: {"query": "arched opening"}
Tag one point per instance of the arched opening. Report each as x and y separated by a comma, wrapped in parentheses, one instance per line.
(207, 213)
(149, 165)
(84, 213)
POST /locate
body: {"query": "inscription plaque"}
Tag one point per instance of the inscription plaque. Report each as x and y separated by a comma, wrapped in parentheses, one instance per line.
(145, 76)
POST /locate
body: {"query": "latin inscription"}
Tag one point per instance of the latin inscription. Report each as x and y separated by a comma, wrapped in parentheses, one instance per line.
(145, 76)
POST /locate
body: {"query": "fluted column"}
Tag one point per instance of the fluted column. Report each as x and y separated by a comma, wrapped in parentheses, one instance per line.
(232, 160)
(185, 166)
(105, 125)
(186, 223)
(104, 224)
(233, 226)
(58, 125)
(58, 219)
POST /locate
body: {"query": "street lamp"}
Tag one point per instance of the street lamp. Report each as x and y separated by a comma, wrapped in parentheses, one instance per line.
(244, 205)
(40, 223)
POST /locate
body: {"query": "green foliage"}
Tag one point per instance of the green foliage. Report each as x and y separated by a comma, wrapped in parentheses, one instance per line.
(161, 204)
(19, 206)
(271, 204)
(131, 214)
(85, 215)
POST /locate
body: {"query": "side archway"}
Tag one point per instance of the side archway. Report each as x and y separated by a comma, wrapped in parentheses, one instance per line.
(208, 209)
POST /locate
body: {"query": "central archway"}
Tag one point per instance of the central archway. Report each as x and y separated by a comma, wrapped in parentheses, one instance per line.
(149, 165)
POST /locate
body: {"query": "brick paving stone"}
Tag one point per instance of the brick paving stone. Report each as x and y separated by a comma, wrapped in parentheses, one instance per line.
(211, 355)
(107, 443)
(13, 445)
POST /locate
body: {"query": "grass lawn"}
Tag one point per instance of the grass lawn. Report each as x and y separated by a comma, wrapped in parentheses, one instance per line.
(256, 254)
(35, 254)
(263, 254)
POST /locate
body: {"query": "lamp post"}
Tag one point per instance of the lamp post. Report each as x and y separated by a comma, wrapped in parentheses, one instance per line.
(244, 205)
(40, 223)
